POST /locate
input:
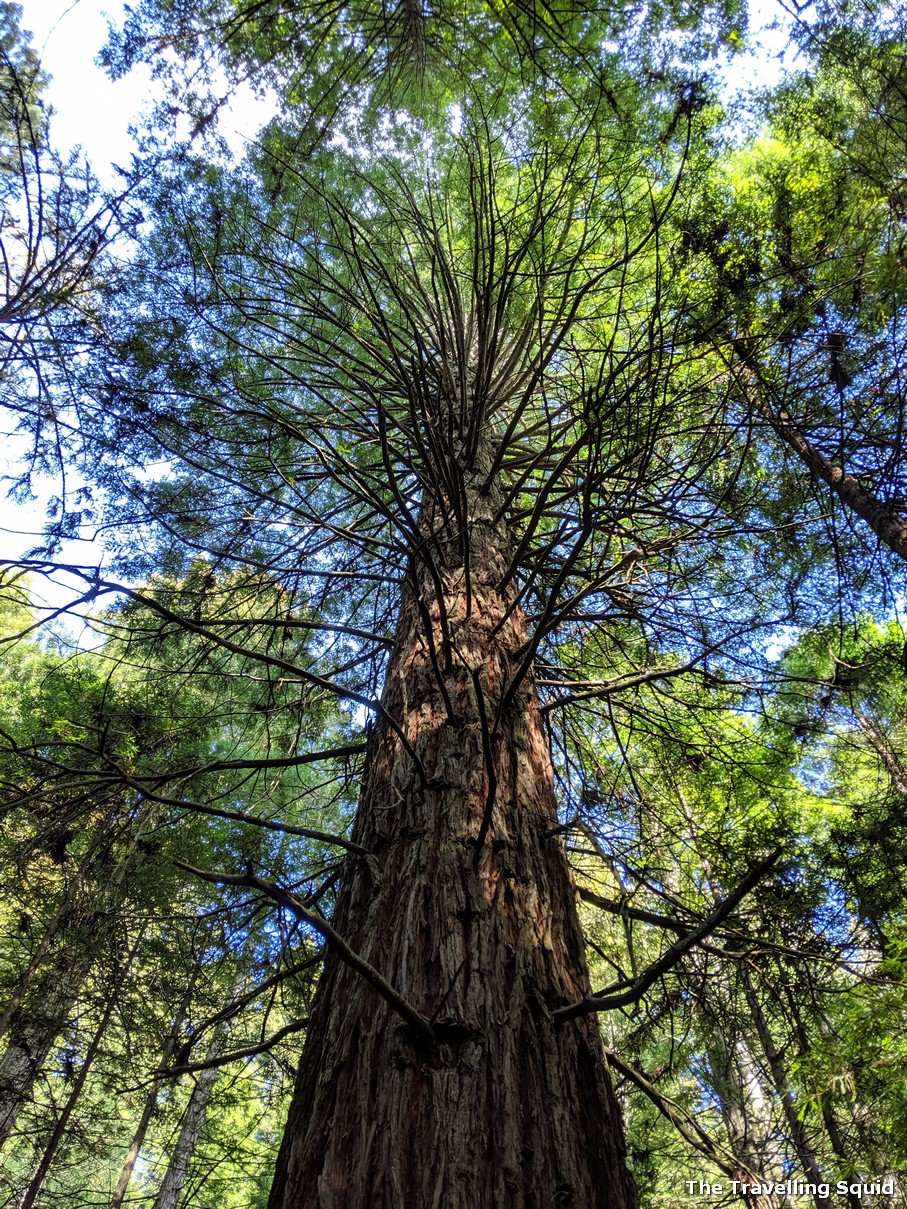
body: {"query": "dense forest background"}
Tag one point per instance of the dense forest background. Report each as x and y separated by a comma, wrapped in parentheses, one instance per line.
(494, 690)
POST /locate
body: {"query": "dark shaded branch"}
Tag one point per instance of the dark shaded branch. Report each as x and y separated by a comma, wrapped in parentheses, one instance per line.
(625, 911)
(105, 586)
(683, 1122)
(280, 623)
(172, 1072)
(885, 522)
(617, 686)
(289, 902)
(235, 1006)
(251, 763)
(240, 816)
(605, 1000)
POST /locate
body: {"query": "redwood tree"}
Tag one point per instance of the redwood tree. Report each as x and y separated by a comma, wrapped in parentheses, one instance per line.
(422, 388)
(425, 367)
(448, 377)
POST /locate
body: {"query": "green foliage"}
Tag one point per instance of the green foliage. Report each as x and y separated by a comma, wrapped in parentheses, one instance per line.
(104, 753)
(519, 247)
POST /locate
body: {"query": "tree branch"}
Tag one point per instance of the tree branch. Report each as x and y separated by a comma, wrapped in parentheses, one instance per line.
(885, 522)
(604, 1001)
(283, 898)
(684, 1123)
(172, 1072)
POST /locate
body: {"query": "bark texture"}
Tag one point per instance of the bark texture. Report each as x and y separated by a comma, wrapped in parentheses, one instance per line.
(472, 918)
(194, 1118)
(34, 1026)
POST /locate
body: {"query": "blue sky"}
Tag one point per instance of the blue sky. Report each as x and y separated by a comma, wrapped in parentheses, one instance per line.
(95, 113)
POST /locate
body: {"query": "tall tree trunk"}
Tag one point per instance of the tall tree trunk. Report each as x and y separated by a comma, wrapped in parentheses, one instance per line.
(473, 921)
(836, 1141)
(878, 740)
(64, 913)
(62, 1122)
(197, 1109)
(194, 1117)
(138, 1138)
(745, 1110)
(888, 524)
(797, 1128)
(39, 1008)
(34, 1026)
(747, 1116)
(151, 1100)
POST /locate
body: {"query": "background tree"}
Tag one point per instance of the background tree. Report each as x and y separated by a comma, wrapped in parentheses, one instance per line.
(57, 231)
(89, 880)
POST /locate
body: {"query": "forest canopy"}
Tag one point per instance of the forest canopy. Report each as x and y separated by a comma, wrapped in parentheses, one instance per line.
(475, 773)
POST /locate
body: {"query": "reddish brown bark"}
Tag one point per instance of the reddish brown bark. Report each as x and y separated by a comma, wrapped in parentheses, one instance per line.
(504, 1110)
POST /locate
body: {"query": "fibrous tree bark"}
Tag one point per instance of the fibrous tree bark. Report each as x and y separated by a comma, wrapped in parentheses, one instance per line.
(471, 918)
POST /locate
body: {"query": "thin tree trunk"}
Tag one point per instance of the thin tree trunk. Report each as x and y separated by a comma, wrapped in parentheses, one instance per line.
(62, 1122)
(38, 1011)
(138, 1140)
(885, 521)
(836, 1142)
(56, 926)
(33, 1028)
(799, 1136)
(150, 1105)
(473, 921)
(886, 753)
(746, 1116)
(194, 1117)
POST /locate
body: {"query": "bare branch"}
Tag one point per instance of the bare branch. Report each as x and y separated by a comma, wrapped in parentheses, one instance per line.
(289, 902)
(173, 1072)
(605, 1001)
